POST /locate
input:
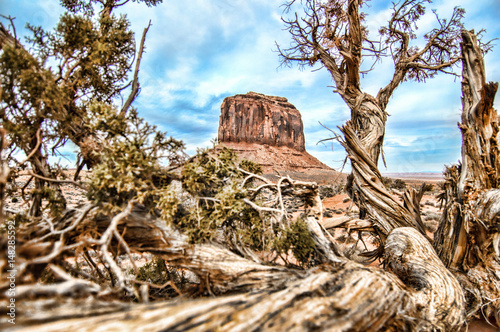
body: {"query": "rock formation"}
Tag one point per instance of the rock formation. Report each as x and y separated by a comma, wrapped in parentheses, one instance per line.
(267, 130)
(257, 118)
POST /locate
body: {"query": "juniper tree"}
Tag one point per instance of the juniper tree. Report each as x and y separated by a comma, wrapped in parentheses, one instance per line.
(48, 85)
(334, 34)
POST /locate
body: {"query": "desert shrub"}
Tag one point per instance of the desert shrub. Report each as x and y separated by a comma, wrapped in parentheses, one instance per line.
(327, 191)
(297, 238)
(328, 213)
(393, 184)
(331, 190)
(398, 184)
(387, 182)
(432, 216)
(154, 272)
(428, 187)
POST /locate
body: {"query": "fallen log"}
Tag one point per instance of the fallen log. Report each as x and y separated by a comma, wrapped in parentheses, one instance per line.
(416, 293)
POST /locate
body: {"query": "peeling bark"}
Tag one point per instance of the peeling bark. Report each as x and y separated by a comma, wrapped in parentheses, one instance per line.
(469, 232)
(417, 293)
(385, 213)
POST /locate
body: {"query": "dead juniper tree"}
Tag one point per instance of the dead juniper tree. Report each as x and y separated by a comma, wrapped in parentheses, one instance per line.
(468, 237)
(333, 34)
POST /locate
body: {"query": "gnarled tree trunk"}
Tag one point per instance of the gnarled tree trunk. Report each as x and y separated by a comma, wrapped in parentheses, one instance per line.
(384, 212)
(468, 236)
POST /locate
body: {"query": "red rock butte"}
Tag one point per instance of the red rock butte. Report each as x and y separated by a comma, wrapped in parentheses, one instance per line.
(267, 130)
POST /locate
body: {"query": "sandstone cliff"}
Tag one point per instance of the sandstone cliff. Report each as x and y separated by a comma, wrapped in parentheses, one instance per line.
(267, 130)
(257, 118)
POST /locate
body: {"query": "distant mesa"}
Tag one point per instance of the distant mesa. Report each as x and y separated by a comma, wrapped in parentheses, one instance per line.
(257, 118)
(267, 130)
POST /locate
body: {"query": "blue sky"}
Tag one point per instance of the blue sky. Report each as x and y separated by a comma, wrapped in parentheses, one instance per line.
(198, 52)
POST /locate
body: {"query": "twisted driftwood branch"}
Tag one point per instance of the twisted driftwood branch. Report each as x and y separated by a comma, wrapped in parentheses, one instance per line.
(340, 296)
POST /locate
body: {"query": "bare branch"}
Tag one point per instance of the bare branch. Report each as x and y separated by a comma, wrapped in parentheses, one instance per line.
(78, 184)
(35, 149)
(135, 82)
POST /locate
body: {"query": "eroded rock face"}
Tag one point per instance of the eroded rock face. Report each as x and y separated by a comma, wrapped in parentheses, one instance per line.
(267, 130)
(261, 119)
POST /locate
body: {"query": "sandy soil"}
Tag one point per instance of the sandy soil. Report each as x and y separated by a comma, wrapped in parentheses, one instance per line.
(74, 195)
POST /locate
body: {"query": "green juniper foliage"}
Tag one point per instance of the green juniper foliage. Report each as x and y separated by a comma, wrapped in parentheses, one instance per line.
(213, 179)
(131, 161)
(48, 86)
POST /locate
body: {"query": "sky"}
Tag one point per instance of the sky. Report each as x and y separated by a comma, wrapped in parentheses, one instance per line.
(200, 51)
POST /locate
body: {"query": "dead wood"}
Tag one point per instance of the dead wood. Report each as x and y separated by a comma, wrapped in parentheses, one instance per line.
(417, 294)
(468, 236)
(135, 82)
(382, 210)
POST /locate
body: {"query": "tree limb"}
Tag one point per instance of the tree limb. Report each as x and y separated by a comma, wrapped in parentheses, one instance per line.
(135, 83)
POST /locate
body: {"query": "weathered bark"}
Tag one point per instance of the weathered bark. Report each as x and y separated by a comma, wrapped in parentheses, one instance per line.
(382, 209)
(480, 155)
(323, 300)
(369, 119)
(437, 293)
(418, 294)
(468, 236)
(364, 136)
